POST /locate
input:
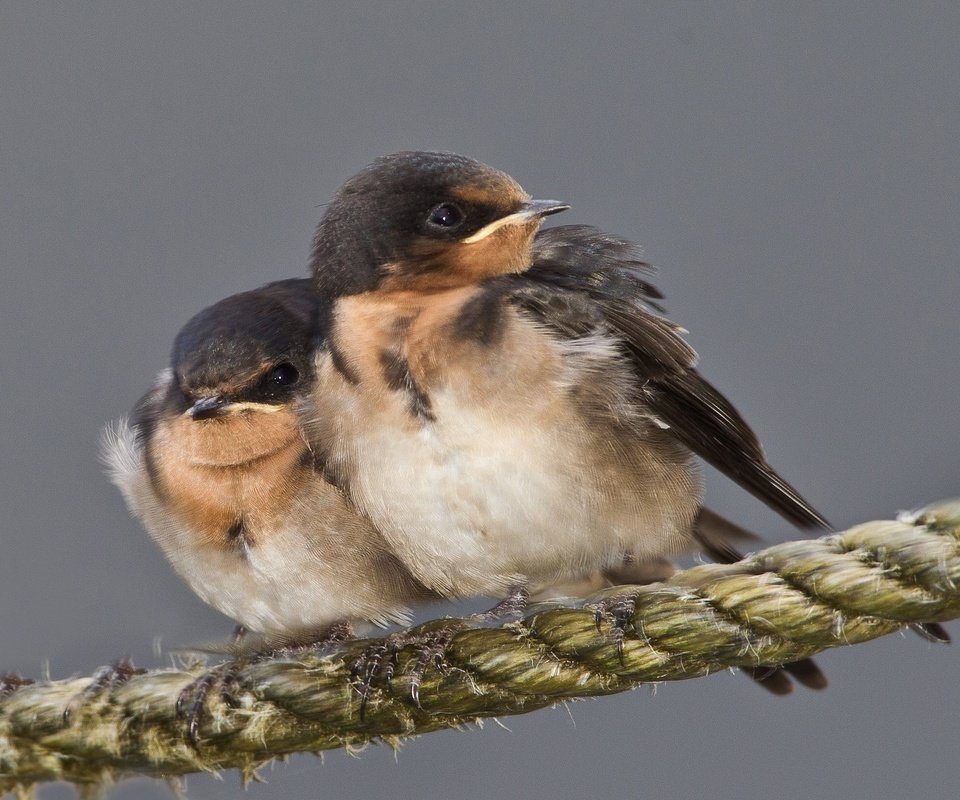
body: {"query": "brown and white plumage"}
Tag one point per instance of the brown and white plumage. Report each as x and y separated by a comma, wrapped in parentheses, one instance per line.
(506, 405)
(216, 466)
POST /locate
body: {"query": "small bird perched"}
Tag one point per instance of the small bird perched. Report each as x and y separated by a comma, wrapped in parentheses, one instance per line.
(505, 405)
(456, 405)
(216, 466)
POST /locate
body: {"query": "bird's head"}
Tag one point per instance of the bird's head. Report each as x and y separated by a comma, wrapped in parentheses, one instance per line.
(238, 371)
(422, 221)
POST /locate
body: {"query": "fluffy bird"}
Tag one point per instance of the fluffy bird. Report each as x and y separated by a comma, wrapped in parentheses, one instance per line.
(216, 466)
(506, 405)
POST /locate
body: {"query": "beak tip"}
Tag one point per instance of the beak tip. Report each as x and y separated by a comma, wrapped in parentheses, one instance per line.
(546, 208)
(532, 210)
(207, 408)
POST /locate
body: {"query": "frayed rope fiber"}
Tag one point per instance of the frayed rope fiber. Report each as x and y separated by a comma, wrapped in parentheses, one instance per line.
(779, 605)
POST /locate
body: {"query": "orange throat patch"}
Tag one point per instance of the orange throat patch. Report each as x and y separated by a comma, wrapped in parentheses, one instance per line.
(235, 474)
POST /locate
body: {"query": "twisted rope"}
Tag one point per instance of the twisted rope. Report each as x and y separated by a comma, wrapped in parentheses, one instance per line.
(784, 603)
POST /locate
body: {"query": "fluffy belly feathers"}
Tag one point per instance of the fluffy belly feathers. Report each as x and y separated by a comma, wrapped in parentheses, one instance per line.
(523, 473)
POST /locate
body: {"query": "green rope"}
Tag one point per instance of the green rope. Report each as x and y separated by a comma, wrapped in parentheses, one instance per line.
(784, 603)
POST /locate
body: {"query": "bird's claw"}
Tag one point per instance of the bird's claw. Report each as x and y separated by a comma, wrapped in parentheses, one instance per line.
(378, 663)
(192, 700)
(10, 682)
(619, 611)
(108, 677)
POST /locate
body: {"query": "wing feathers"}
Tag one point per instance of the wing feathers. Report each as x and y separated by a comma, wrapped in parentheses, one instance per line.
(583, 280)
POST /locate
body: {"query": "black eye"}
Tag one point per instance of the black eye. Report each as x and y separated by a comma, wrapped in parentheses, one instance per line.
(284, 375)
(446, 216)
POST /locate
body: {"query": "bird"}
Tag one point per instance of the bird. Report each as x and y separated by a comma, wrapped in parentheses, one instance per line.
(509, 405)
(216, 466)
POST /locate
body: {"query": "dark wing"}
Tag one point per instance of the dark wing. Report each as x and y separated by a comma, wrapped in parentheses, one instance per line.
(583, 279)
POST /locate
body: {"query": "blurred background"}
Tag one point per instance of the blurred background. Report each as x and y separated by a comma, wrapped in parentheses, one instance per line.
(792, 171)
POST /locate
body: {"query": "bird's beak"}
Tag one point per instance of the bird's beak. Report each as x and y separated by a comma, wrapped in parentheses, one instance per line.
(216, 406)
(209, 407)
(532, 209)
(541, 208)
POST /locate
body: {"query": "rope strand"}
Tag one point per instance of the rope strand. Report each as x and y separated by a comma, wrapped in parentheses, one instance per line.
(782, 604)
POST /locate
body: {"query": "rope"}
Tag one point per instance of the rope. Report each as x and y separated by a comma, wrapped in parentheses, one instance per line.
(781, 604)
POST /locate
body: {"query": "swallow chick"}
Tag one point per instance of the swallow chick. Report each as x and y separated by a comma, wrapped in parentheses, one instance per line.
(506, 405)
(509, 406)
(216, 466)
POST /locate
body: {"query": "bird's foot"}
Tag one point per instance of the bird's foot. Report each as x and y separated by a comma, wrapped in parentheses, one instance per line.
(619, 611)
(332, 636)
(192, 703)
(378, 663)
(10, 682)
(515, 602)
(108, 677)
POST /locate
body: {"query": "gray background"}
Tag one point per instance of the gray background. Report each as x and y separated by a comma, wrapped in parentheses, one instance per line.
(793, 173)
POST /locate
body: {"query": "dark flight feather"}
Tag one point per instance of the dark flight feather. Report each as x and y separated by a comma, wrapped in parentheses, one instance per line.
(583, 280)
